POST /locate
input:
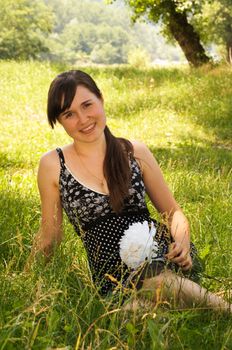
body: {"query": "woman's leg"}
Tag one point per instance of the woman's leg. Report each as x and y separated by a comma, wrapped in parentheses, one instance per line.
(182, 292)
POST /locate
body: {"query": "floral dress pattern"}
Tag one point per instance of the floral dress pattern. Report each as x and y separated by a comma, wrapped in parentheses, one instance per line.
(101, 229)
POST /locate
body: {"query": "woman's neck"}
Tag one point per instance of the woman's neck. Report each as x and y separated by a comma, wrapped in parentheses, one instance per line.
(96, 148)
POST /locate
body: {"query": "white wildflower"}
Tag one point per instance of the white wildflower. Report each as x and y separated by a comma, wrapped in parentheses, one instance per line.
(138, 244)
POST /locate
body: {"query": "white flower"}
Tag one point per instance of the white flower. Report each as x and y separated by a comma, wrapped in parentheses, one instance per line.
(138, 244)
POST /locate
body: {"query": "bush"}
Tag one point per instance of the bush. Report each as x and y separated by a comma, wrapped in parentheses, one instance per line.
(139, 58)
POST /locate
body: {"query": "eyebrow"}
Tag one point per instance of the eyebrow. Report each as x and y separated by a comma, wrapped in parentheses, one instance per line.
(69, 110)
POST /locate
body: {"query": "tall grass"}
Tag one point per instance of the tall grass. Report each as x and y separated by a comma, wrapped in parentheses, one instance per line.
(185, 118)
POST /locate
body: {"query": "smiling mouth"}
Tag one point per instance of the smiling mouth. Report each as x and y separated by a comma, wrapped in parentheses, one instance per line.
(89, 129)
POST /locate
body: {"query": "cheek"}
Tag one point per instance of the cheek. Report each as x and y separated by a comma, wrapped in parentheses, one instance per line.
(101, 113)
(68, 127)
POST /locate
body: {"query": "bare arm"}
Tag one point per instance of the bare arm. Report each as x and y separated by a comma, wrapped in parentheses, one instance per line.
(165, 203)
(50, 231)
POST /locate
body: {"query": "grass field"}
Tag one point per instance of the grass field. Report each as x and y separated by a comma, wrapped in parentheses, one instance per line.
(185, 117)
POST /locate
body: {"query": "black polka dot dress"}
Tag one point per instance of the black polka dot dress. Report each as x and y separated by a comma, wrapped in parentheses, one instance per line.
(101, 229)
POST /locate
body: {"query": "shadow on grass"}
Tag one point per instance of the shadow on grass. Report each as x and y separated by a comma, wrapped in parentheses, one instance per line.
(215, 116)
(8, 161)
(204, 97)
(160, 75)
(195, 158)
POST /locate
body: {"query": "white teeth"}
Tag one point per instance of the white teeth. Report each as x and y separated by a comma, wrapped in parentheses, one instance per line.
(88, 128)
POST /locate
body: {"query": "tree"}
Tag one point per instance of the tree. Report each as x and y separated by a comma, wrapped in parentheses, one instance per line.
(215, 24)
(226, 27)
(24, 26)
(175, 15)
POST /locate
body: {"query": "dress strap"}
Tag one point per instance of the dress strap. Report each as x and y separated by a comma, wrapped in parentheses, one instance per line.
(61, 156)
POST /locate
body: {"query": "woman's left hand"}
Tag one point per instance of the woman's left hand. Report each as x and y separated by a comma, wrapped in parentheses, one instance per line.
(179, 253)
(166, 205)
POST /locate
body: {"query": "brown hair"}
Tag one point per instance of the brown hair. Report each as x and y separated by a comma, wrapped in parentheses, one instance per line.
(116, 163)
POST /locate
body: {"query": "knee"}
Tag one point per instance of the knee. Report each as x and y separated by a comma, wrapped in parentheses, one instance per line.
(165, 279)
(153, 283)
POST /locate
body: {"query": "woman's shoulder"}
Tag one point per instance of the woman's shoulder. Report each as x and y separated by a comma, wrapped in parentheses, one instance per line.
(50, 163)
(140, 153)
(144, 156)
(140, 149)
(49, 158)
(52, 157)
(49, 167)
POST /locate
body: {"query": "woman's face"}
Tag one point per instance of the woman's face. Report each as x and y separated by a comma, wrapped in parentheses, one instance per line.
(85, 119)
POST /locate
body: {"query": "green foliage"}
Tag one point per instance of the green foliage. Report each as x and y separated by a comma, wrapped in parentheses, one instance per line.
(57, 306)
(174, 16)
(93, 32)
(156, 10)
(24, 26)
(211, 19)
(138, 58)
(75, 31)
(90, 28)
(215, 23)
(89, 31)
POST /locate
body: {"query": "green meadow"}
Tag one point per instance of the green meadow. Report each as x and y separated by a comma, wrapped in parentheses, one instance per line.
(185, 117)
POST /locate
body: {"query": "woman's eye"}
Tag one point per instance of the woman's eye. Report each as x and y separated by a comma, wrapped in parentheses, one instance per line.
(68, 115)
(86, 105)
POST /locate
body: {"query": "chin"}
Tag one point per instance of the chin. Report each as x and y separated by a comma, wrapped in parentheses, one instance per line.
(90, 138)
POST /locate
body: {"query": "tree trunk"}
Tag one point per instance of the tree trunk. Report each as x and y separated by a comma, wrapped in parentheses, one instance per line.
(229, 53)
(187, 38)
(228, 40)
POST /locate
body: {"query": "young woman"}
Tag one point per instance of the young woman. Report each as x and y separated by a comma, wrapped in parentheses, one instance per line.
(100, 181)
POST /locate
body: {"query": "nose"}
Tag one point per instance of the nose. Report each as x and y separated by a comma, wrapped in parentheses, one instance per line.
(82, 117)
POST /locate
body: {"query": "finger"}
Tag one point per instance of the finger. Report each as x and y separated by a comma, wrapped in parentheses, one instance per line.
(188, 265)
(174, 252)
(182, 258)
